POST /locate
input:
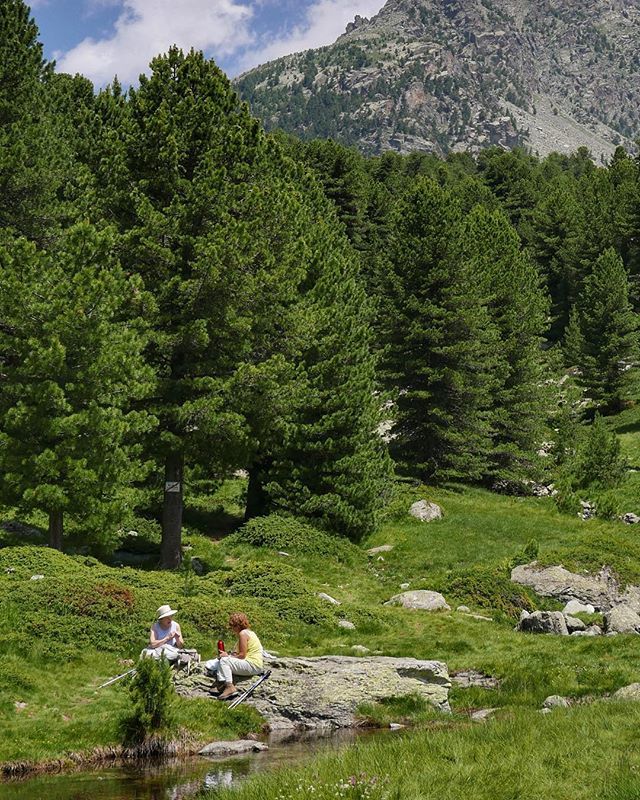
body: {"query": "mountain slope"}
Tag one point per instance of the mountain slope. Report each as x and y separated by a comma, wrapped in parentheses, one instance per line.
(444, 75)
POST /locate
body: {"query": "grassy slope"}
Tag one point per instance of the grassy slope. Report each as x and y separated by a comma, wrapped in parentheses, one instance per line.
(67, 633)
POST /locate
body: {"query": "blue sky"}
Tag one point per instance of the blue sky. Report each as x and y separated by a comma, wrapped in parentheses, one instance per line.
(100, 38)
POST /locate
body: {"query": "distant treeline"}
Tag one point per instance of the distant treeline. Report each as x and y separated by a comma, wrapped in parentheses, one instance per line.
(183, 296)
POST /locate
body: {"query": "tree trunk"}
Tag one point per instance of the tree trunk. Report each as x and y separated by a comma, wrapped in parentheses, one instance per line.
(257, 500)
(171, 552)
(56, 529)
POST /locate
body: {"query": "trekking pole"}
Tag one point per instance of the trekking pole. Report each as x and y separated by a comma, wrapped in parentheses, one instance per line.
(250, 690)
(117, 678)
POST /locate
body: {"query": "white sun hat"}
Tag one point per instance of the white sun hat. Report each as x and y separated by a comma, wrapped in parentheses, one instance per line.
(165, 611)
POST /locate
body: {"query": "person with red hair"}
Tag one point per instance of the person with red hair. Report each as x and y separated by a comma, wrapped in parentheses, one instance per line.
(244, 660)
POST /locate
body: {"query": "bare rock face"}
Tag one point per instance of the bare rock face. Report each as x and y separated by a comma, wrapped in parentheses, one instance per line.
(544, 622)
(448, 76)
(325, 692)
(421, 600)
(425, 511)
(601, 590)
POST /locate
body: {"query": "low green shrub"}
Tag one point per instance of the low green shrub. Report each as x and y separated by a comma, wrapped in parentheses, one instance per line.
(402, 496)
(141, 535)
(208, 553)
(528, 554)
(488, 587)
(153, 699)
(263, 579)
(278, 532)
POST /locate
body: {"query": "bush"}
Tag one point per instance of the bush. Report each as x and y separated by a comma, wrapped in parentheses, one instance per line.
(141, 535)
(206, 551)
(153, 697)
(528, 554)
(488, 587)
(278, 532)
(271, 581)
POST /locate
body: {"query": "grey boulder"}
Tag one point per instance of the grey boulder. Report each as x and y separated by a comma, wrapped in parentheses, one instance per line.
(544, 622)
(622, 619)
(631, 692)
(574, 625)
(556, 701)
(420, 599)
(576, 607)
(601, 590)
(425, 511)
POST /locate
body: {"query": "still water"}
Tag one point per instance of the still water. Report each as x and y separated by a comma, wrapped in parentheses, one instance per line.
(172, 780)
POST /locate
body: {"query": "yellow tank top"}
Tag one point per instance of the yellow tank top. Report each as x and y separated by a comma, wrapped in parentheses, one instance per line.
(254, 649)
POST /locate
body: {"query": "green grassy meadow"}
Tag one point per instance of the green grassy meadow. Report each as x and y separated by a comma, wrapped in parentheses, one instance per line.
(69, 631)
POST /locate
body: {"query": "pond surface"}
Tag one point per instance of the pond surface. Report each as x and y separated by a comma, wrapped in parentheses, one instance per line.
(174, 779)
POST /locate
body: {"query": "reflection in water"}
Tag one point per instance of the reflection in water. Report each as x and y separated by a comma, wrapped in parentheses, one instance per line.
(170, 780)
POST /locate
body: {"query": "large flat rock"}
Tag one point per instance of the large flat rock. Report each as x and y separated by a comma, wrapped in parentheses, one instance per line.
(601, 590)
(325, 692)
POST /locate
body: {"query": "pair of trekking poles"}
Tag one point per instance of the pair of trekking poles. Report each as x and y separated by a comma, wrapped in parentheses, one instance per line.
(233, 704)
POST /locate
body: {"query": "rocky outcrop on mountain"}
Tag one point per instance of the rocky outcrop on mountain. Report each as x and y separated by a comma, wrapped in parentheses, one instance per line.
(600, 591)
(325, 692)
(450, 75)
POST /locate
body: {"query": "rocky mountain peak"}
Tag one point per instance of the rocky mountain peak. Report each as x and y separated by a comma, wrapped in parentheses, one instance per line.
(447, 75)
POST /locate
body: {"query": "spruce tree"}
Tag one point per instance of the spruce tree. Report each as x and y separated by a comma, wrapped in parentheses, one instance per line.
(608, 326)
(441, 345)
(518, 307)
(72, 365)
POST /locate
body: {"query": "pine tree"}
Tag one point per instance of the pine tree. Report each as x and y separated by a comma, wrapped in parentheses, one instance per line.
(31, 153)
(441, 345)
(518, 307)
(608, 342)
(333, 465)
(72, 365)
(554, 234)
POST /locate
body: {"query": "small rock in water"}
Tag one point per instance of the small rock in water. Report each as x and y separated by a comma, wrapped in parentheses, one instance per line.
(223, 749)
(396, 726)
(348, 626)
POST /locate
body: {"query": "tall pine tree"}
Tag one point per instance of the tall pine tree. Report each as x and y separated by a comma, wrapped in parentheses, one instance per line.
(518, 307)
(607, 332)
(441, 345)
(72, 365)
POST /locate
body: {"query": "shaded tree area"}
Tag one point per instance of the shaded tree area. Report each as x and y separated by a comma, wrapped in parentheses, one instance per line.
(183, 294)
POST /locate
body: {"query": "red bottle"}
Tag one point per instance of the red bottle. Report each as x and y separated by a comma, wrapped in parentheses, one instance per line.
(220, 646)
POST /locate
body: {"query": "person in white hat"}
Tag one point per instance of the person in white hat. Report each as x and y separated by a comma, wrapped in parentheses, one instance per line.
(165, 637)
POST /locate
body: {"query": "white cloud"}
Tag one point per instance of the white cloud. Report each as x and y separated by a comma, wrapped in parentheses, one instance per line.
(325, 20)
(148, 27)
